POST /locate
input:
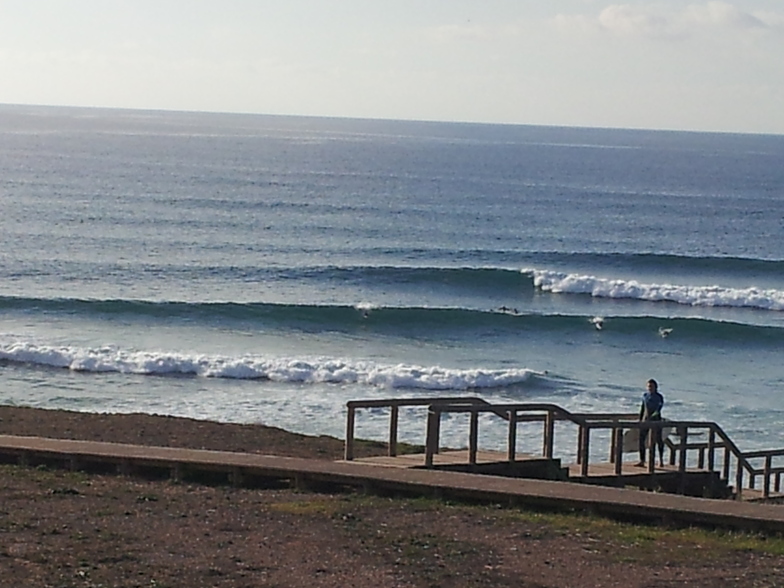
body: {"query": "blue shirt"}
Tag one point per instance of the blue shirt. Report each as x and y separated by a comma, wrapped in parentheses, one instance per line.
(652, 403)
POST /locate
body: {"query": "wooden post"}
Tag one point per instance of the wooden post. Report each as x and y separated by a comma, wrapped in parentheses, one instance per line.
(580, 441)
(549, 434)
(711, 449)
(766, 476)
(431, 441)
(349, 449)
(473, 440)
(176, 472)
(511, 443)
(393, 419)
(437, 425)
(726, 465)
(683, 433)
(618, 447)
(739, 481)
(613, 442)
(651, 450)
(585, 442)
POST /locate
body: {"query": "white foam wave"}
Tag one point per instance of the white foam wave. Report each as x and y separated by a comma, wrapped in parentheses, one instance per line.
(557, 282)
(316, 370)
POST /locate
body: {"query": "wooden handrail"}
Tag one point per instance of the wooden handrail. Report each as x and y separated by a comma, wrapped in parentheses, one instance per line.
(764, 453)
(548, 414)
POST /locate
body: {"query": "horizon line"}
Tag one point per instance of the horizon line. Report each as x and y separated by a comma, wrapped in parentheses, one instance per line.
(386, 119)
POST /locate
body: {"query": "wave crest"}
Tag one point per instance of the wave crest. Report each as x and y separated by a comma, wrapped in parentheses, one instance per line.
(716, 296)
(292, 370)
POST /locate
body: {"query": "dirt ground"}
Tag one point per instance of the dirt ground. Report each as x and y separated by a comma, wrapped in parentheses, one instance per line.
(69, 529)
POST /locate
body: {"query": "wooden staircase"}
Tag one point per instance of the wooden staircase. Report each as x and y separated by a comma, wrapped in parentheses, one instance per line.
(710, 468)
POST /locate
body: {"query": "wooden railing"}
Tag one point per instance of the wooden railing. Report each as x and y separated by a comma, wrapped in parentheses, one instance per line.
(395, 404)
(767, 471)
(719, 453)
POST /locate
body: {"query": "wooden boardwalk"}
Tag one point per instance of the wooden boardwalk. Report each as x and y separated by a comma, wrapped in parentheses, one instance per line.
(704, 459)
(239, 468)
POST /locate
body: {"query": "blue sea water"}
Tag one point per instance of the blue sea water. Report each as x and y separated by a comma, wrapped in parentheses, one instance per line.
(269, 269)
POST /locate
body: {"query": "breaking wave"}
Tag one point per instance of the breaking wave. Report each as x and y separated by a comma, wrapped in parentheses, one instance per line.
(708, 296)
(286, 369)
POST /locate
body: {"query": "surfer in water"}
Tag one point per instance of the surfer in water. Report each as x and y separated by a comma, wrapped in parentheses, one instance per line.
(650, 410)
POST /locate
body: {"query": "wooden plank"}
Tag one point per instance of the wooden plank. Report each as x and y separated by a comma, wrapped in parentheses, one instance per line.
(451, 457)
(605, 469)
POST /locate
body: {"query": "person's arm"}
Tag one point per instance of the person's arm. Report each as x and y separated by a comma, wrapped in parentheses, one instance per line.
(642, 409)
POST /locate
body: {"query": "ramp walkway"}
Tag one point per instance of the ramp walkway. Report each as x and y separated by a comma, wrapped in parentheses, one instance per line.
(242, 468)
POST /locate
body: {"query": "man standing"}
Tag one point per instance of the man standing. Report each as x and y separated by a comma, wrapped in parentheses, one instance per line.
(650, 410)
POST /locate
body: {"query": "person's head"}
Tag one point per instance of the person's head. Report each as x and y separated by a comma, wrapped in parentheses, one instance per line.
(653, 386)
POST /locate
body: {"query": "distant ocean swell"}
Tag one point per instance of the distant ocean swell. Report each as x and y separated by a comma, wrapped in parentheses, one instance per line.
(472, 279)
(498, 283)
(501, 282)
(732, 266)
(299, 370)
(371, 319)
(469, 274)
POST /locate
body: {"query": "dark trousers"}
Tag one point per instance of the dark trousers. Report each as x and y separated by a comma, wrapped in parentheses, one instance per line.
(657, 438)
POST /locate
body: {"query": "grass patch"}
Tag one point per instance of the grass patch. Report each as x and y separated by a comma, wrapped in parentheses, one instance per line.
(632, 542)
(318, 507)
(651, 543)
(45, 476)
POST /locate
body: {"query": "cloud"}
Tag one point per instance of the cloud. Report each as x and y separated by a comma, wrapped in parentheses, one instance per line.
(620, 20)
(623, 19)
(654, 21)
(721, 15)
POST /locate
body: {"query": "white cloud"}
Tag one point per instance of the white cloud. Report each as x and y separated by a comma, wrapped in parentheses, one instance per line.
(654, 21)
(721, 15)
(623, 19)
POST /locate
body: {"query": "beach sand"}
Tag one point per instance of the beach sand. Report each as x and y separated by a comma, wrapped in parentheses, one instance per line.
(70, 529)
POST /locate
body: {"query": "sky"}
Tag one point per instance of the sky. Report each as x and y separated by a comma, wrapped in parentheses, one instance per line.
(670, 64)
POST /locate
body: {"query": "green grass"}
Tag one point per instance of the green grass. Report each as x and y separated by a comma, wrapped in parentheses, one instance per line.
(643, 542)
(631, 541)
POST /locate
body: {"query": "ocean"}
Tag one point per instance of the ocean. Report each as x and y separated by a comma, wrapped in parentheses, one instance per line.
(268, 269)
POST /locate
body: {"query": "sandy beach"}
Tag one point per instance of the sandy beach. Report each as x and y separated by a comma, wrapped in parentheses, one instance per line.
(64, 528)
